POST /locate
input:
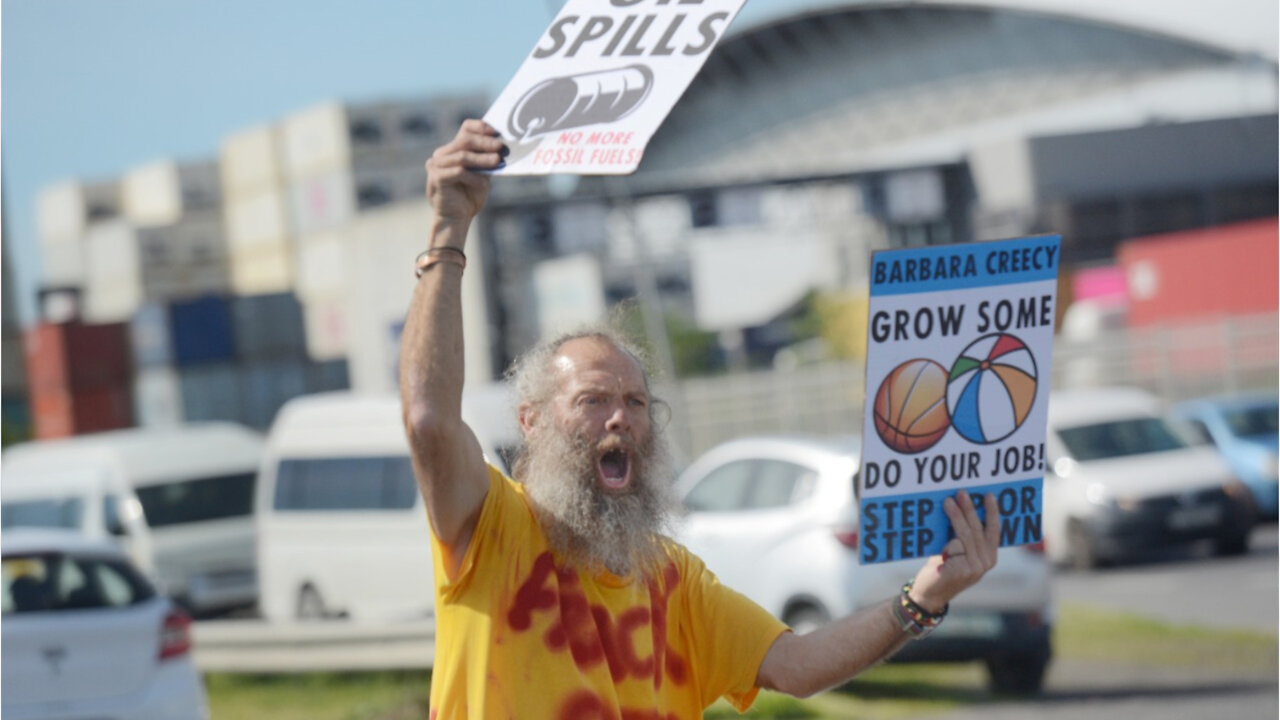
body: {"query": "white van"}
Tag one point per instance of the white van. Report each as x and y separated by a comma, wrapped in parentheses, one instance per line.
(178, 499)
(342, 530)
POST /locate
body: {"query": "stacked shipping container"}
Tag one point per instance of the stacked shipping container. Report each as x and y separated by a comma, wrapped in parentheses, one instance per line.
(79, 378)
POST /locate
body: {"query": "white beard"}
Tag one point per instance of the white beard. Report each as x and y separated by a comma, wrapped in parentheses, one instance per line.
(586, 526)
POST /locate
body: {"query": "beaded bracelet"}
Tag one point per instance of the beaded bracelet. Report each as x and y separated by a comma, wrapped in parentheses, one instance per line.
(913, 619)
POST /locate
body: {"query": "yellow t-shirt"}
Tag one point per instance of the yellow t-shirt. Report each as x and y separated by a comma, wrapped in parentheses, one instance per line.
(519, 636)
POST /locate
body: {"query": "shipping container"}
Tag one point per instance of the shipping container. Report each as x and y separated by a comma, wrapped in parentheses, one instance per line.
(51, 415)
(62, 261)
(60, 304)
(113, 272)
(266, 385)
(425, 124)
(381, 282)
(1201, 274)
(64, 210)
(201, 331)
(268, 327)
(326, 325)
(251, 162)
(322, 265)
(75, 356)
(211, 392)
(322, 202)
(186, 259)
(162, 192)
(258, 222)
(149, 335)
(316, 140)
(157, 393)
(102, 408)
(59, 412)
(262, 271)
(327, 376)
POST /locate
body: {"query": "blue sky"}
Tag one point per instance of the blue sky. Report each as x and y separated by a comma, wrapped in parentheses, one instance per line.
(92, 88)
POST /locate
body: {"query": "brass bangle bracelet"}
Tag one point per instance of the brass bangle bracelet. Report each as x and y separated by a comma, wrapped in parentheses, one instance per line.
(443, 253)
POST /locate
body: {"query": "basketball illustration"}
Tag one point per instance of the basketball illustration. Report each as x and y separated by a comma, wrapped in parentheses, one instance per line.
(910, 409)
(991, 388)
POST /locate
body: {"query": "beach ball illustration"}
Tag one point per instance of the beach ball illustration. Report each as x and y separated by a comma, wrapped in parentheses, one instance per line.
(991, 388)
(910, 409)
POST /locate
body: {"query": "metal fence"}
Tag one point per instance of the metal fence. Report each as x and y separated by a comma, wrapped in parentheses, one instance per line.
(1175, 363)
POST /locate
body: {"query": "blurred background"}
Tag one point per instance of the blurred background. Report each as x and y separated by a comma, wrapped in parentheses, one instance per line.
(211, 209)
(225, 198)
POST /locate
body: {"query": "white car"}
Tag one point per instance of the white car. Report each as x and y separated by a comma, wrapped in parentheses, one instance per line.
(776, 518)
(1123, 480)
(86, 636)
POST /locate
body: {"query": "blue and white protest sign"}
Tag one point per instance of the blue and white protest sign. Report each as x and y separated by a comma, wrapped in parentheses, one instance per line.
(960, 340)
(600, 81)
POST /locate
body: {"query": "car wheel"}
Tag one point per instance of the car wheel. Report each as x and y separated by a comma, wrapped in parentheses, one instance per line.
(804, 619)
(1080, 547)
(1017, 674)
(310, 604)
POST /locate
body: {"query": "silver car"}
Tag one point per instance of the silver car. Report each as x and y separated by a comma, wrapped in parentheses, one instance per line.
(776, 518)
(85, 635)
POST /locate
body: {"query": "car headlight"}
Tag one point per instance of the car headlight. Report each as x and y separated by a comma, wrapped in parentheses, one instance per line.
(1098, 494)
(1064, 466)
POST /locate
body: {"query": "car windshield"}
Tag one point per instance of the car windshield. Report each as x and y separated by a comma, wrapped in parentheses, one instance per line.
(1120, 438)
(1260, 420)
(48, 512)
(49, 582)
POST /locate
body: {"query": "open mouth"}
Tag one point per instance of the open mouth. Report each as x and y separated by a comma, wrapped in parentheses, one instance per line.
(615, 469)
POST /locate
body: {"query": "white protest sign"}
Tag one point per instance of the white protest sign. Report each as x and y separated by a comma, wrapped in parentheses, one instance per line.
(601, 80)
(960, 340)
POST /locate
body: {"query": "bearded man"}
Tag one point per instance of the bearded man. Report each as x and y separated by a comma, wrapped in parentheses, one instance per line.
(561, 596)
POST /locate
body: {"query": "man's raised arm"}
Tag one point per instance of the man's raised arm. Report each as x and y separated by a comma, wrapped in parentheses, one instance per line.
(447, 458)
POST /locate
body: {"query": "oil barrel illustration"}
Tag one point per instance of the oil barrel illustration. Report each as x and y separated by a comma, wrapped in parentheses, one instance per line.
(578, 100)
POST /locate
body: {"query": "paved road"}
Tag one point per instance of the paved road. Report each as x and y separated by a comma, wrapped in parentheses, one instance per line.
(1190, 588)
(1187, 588)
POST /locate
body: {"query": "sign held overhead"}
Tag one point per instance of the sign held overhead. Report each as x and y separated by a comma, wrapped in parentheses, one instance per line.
(601, 80)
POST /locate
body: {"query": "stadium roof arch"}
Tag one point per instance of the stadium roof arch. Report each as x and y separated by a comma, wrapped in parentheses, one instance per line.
(849, 87)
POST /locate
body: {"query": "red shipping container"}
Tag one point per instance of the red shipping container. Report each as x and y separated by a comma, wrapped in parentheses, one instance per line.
(51, 413)
(72, 356)
(46, 357)
(1202, 274)
(107, 408)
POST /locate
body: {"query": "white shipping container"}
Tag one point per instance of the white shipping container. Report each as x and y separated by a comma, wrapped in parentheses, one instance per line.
(62, 262)
(316, 141)
(65, 209)
(110, 302)
(251, 162)
(160, 193)
(263, 271)
(322, 202)
(112, 254)
(326, 324)
(322, 265)
(257, 222)
(60, 211)
(381, 249)
(157, 396)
